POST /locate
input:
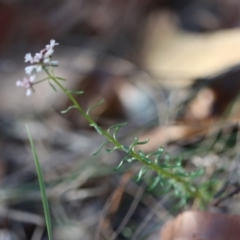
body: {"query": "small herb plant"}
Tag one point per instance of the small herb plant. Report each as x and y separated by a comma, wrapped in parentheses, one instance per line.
(169, 175)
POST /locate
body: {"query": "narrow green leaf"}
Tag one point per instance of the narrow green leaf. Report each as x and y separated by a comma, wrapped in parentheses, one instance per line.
(142, 154)
(166, 187)
(143, 142)
(125, 149)
(76, 92)
(156, 159)
(94, 106)
(164, 165)
(182, 174)
(52, 86)
(141, 173)
(167, 157)
(100, 148)
(42, 186)
(158, 152)
(136, 142)
(98, 129)
(198, 173)
(69, 108)
(182, 202)
(131, 159)
(112, 150)
(131, 147)
(155, 182)
(119, 125)
(61, 79)
(179, 161)
(114, 134)
(158, 155)
(119, 165)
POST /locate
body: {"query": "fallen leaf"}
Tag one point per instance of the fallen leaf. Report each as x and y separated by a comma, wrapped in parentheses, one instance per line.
(194, 225)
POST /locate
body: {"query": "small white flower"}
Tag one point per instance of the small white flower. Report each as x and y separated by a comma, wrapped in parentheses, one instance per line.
(33, 68)
(19, 83)
(53, 63)
(49, 48)
(43, 58)
(27, 83)
(38, 62)
(38, 57)
(29, 92)
(29, 58)
(38, 68)
(32, 78)
(52, 44)
(48, 53)
(30, 69)
(46, 60)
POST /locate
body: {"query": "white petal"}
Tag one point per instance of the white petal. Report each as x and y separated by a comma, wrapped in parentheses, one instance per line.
(26, 83)
(30, 69)
(28, 58)
(38, 57)
(48, 53)
(32, 78)
(29, 92)
(46, 60)
(19, 83)
(53, 43)
(53, 63)
(38, 68)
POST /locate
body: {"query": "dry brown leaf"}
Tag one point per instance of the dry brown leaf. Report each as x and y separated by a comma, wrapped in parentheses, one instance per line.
(166, 134)
(184, 56)
(194, 225)
(215, 104)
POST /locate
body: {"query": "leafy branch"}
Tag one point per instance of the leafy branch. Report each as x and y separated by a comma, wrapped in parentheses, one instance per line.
(171, 175)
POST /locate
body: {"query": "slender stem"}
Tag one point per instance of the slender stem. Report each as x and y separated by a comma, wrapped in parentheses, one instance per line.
(42, 80)
(192, 190)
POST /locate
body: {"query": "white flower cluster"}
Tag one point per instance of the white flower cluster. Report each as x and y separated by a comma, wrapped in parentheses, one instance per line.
(38, 62)
(27, 83)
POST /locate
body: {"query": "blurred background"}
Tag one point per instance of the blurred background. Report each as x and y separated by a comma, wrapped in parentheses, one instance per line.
(170, 68)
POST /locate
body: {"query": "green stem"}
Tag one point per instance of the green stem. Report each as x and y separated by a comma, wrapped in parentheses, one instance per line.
(43, 80)
(196, 193)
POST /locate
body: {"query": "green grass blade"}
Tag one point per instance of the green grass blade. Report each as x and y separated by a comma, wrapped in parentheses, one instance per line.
(42, 186)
